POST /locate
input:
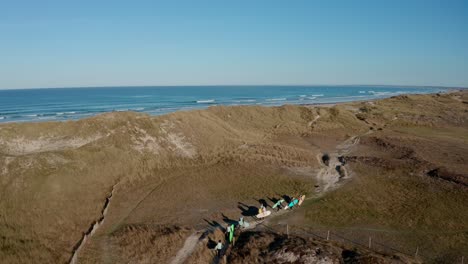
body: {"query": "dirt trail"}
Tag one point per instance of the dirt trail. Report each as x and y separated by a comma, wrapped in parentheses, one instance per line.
(313, 121)
(333, 169)
(329, 176)
(93, 228)
(187, 250)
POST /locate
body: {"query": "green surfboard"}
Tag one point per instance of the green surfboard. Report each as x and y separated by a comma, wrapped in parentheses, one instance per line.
(231, 234)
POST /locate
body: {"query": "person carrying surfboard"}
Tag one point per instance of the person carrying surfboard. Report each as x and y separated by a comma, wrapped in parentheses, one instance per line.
(228, 232)
(293, 202)
(262, 208)
(278, 204)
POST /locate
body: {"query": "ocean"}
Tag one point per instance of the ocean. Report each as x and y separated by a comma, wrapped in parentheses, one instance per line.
(25, 105)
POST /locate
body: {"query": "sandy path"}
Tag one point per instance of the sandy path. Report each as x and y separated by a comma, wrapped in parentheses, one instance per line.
(331, 175)
(187, 250)
(94, 227)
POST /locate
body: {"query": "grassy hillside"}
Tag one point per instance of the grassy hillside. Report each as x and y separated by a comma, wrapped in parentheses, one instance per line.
(172, 174)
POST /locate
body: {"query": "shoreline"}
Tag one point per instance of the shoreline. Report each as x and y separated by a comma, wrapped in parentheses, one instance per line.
(318, 104)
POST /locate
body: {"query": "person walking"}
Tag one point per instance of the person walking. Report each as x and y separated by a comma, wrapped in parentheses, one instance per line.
(218, 248)
(228, 232)
(278, 205)
(262, 208)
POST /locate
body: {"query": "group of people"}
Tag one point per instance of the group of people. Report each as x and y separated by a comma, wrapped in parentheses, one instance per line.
(280, 204)
(242, 224)
(230, 238)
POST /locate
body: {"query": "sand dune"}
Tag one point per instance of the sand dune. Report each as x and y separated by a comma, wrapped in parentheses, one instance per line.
(403, 160)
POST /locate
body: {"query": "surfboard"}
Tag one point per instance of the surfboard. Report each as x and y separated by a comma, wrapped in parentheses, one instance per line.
(301, 199)
(231, 234)
(264, 214)
(278, 203)
(293, 202)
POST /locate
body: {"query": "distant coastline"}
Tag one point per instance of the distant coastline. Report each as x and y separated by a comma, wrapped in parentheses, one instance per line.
(60, 104)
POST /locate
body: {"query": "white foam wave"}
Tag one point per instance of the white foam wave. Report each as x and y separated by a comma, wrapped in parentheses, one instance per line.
(46, 117)
(2, 117)
(316, 95)
(302, 95)
(205, 101)
(361, 92)
(276, 99)
(382, 93)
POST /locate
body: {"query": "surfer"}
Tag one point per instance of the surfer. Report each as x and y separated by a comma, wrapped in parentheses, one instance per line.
(293, 202)
(278, 205)
(218, 248)
(228, 232)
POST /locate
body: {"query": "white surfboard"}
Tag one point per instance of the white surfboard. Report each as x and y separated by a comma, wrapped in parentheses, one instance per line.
(264, 214)
(301, 199)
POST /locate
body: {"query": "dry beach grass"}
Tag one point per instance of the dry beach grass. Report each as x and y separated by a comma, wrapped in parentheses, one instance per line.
(173, 173)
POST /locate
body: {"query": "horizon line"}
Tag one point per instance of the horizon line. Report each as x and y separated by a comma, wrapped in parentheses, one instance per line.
(235, 85)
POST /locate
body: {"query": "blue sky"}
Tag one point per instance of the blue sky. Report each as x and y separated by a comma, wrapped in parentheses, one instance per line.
(107, 43)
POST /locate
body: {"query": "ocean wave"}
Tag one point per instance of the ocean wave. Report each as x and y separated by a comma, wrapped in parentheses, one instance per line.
(245, 101)
(2, 117)
(276, 99)
(361, 92)
(140, 96)
(171, 109)
(384, 93)
(302, 95)
(312, 98)
(205, 101)
(46, 117)
(138, 109)
(316, 95)
(65, 113)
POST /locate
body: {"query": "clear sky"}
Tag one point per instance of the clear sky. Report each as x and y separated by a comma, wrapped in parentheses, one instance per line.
(105, 43)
